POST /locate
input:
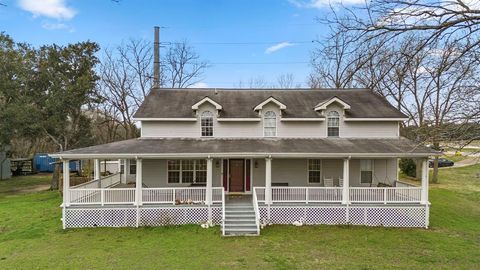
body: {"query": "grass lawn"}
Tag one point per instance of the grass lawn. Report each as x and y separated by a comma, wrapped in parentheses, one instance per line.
(31, 237)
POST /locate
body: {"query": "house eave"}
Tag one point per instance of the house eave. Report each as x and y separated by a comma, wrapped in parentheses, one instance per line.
(244, 154)
(375, 119)
(192, 119)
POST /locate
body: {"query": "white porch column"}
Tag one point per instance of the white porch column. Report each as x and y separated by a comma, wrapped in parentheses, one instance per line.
(96, 171)
(424, 197)
(208, 192)
(268, 180)
(66, 182)
(346, 182)
(138, 183)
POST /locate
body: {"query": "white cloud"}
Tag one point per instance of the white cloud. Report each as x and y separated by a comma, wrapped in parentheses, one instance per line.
(323, 3)
(278, 46)
(54, 26)
(199, 85)
(49, 8)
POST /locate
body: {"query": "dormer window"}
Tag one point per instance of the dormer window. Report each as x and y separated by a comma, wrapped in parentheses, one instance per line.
(206, 122)
(269, 124)
(333, 124)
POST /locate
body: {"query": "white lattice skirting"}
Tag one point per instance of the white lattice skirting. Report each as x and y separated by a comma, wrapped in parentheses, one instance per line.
(144, 216)
(387, 216)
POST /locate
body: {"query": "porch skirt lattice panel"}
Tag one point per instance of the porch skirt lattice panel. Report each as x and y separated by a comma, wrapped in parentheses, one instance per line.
(311, 215)
(100, 217)
(157, 216)
(401, 216)
(217, 215)
(387, 216)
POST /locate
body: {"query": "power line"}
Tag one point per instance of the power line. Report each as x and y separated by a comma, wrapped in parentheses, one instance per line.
(258, 63)
(241, 43)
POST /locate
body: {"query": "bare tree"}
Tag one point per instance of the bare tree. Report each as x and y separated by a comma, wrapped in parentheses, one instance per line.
(182, 66)
(339, 58)
(287, 81)
(453, 21)
(126, 79)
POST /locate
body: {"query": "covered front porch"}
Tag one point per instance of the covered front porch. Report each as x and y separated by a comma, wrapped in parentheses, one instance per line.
(292, 181)
(310, 181)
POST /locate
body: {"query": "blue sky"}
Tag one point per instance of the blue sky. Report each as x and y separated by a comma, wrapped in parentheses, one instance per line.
(282, 30)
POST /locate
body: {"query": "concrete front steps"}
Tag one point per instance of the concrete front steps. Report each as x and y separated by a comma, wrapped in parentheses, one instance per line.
(240, 219)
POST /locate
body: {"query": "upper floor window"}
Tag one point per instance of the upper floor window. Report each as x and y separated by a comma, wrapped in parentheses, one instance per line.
(206, 120)
(269, 124)
(333, 123)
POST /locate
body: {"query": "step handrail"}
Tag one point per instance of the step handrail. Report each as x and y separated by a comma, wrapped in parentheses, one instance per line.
(257, 212)
(223, 212)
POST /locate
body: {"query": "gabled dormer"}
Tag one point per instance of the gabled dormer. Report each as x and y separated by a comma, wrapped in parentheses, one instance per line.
(206, 99)
(322, 106)
(280, 105)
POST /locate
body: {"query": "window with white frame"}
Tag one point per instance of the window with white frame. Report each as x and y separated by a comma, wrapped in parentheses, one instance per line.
(206, 122)
(269, 124)
(186, 171)
(133, 166)
(122, 166)
(366, 171)
(314, 171)
(333, 124)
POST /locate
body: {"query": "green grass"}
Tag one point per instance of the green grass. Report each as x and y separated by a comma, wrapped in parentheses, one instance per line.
(31, 237)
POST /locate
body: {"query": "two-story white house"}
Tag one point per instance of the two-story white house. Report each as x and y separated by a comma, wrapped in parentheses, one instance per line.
(248, 158)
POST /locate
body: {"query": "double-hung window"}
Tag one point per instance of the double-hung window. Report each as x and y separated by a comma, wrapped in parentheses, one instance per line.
(333, 124)
(366, 171)
(269, 124)
(186, 171)
(206, 122)
(314, 170)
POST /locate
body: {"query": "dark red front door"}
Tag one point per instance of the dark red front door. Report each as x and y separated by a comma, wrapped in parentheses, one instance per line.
(237, 173)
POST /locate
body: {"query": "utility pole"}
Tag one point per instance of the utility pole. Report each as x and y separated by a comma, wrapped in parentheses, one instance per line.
(156, 58)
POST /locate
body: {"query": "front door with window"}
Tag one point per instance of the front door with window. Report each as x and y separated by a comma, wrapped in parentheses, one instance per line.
(237, 175)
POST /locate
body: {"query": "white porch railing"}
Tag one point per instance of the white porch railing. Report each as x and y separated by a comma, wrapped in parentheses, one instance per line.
(179, 195)
(223, 212)
(335, 194)
(385, 194)
(102, 196)
(107, 181)
(301, 194)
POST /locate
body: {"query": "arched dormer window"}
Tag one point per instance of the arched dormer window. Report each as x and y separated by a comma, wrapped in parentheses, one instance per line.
(269, 124)
(206, 122)
(333, 124)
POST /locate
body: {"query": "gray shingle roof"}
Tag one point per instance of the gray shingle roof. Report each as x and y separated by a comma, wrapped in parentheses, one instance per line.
(179, 146)
(236, 103)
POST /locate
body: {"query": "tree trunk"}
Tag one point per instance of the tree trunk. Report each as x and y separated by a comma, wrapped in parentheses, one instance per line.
(418, 169)
(435, 170)
(54, 184)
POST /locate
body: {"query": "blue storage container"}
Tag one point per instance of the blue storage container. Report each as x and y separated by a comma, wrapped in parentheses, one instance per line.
(44, 163)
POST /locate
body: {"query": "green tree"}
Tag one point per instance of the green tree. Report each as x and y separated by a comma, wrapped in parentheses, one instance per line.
(66, 79)
(18, 110)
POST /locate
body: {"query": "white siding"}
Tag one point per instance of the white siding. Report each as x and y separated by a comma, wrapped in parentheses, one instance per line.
(384, 171)
(155, 174)
(291, 171)
(295, 129)
(369, 129)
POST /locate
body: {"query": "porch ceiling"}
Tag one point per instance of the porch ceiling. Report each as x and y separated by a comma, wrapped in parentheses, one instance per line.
(257, 147)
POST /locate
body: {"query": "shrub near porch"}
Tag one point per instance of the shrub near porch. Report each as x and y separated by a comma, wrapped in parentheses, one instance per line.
(31, 237)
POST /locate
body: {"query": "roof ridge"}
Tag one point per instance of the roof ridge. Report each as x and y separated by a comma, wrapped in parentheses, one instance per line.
(260, 89)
